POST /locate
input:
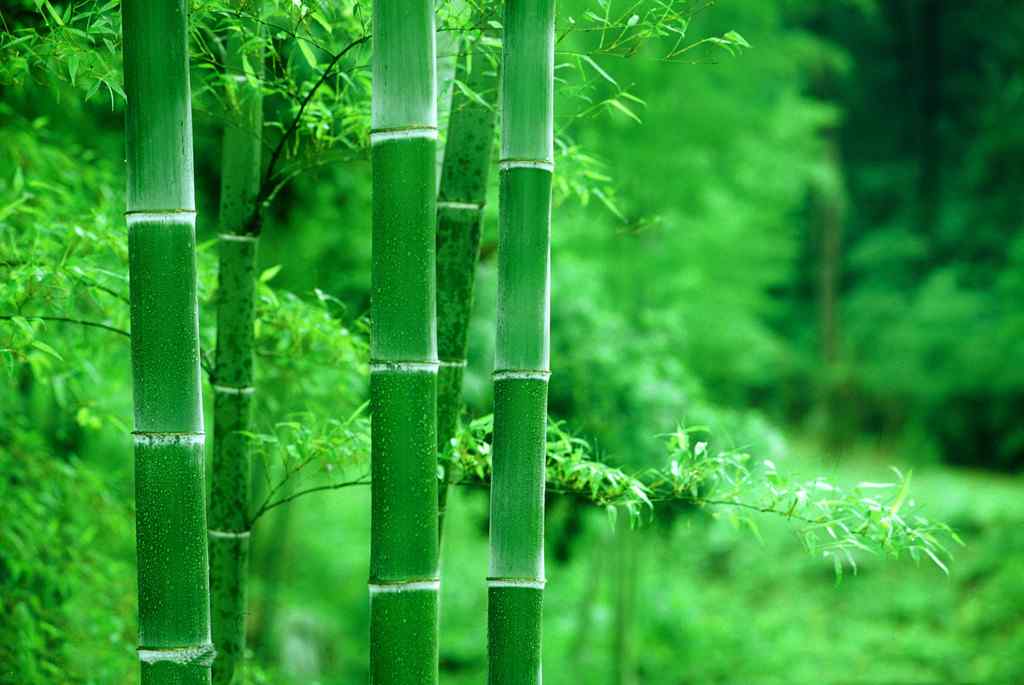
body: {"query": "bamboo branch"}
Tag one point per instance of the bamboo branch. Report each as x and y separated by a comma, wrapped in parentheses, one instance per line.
(268, 505)
(90, 283)
(65, 319)
(580, 496)
(266, 185)
(203, 355)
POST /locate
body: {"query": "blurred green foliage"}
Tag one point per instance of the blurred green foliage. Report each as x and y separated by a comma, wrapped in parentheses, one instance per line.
(810, 246)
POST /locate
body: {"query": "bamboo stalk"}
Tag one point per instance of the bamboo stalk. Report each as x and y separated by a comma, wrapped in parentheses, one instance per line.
(403, 388)
(448, 52)
(460, 209)
(234, 389)
(174, 609)
(516, 577)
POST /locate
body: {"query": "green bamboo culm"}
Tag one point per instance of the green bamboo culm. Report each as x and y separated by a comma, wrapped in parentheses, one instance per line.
(233, 371)
(460, 207)
(174, 598)
(403, 583)
(516, 575)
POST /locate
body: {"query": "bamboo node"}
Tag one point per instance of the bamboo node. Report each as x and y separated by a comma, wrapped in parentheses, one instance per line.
(414, 367)
(542, 164)
(202, 655)
(237, 237)
(173, 217)
(164, 439)
(229, 390)
(521, 374)
(532, 583)
(453, 363)
(461, 206)
(228, 534)
(408, 586)
(385, 135)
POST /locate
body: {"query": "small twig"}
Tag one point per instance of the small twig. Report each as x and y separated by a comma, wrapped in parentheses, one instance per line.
(65, 319)
(735, 503)
(203, 357)
(268, 505)
(88, 282)
(484, 483)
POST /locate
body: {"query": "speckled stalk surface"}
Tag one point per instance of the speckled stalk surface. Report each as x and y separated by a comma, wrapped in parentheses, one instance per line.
(467, 160)
(516, 575)
(233, 372)
(403, 346)
(174, 610)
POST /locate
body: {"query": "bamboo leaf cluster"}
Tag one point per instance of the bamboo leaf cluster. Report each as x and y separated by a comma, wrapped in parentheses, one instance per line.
(729, 484)
(835, 522)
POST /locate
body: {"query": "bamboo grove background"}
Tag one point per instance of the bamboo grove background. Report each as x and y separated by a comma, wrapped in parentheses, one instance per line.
(785, 256)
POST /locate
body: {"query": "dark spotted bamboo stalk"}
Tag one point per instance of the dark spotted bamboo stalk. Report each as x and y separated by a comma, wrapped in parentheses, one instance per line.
(460, 206)
(233, 386)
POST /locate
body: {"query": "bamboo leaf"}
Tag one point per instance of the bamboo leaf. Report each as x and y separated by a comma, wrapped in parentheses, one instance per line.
(319, 18)
(902, 496)
(736, 38)
(73, 67)
(268, 274)
(625, 110)
(936, 560)
(23, 323)
(307, 52)
(43, 347)
(604, 74)
(53, 13)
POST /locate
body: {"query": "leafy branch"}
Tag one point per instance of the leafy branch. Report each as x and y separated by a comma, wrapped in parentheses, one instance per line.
(832, 521)
(872, 517)
(302, 445)
(267, 186)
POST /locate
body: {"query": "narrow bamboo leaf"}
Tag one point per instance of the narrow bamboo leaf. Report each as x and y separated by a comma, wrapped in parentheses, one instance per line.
(736, 38)
(596, 67)
(624, 109)
(73, 67)
(268, 274)
(43, 347)
(902, 496)
(23, 324)
(308, 53)
(320, 19)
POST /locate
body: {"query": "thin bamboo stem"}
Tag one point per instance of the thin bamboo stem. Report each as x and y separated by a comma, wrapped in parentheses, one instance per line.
(516, 577)
(463, 193)
(229, 534)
